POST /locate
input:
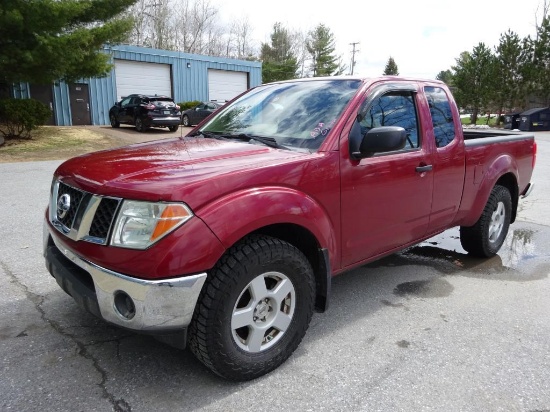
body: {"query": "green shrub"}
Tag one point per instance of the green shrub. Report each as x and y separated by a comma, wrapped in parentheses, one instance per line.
(188, 105)
(19, 116)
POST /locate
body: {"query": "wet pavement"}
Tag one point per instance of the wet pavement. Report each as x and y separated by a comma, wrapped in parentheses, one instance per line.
(429, 328)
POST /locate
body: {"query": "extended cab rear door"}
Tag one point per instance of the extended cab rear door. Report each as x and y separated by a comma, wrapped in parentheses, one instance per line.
(448, 156)
(386, 198)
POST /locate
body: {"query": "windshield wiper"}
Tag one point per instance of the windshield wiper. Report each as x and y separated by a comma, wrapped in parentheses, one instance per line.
(210, 135)
(268, 141)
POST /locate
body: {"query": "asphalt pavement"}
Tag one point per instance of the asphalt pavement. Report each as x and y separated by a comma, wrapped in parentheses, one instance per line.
(427, 329)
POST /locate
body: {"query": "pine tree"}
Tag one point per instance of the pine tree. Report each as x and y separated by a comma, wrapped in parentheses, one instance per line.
(321, 46)
(512, 59)
(278, 60)
(391, 68)
(42, 41)
(540, 71)
(474, 78)
(446, 76)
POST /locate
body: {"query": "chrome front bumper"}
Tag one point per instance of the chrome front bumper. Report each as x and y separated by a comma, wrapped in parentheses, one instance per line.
(159, 306)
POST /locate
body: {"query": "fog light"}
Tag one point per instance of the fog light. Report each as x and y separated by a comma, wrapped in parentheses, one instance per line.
(124, 305)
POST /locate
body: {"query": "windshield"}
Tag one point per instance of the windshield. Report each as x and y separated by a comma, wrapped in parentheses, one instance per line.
(295, 115)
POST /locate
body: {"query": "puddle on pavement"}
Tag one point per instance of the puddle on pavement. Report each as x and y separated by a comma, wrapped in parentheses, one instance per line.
(434, 288)
(520, 258)
(403, 344)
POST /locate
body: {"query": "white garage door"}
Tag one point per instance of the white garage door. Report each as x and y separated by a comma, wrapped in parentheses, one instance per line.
(224, 85)
(144, 78)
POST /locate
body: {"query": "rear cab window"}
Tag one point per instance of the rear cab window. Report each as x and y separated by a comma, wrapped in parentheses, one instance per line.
(442, 115)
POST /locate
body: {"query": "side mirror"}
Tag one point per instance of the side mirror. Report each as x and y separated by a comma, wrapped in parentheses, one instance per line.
(378, 140)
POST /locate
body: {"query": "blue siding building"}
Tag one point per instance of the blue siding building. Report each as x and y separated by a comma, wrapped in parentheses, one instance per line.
(183, 76)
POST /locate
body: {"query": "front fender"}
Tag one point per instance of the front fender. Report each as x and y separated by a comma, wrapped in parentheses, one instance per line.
(234, 216)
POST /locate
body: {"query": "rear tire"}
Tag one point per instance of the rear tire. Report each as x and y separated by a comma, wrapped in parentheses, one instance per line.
(173, 128)
(254, 308)
(485, 238)
(140, 127)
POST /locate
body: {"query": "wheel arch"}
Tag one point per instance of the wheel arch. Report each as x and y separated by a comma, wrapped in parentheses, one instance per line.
(510, 182)
(502, 171)
(318, 257)
(282, 213)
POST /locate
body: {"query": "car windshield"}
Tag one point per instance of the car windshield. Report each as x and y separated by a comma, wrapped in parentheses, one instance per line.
(294, 114)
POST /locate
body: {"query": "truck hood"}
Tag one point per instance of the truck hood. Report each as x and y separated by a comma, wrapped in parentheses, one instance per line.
(171, 169)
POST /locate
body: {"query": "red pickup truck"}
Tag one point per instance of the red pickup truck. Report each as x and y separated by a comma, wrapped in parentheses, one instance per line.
(227, 239)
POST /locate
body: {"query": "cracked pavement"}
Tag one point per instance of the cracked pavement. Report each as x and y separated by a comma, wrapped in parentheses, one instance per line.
(426, 329)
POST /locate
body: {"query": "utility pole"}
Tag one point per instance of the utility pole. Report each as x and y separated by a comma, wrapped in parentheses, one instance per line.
(353, 56)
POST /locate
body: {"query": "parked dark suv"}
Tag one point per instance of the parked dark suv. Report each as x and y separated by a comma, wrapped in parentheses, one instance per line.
(146, 111)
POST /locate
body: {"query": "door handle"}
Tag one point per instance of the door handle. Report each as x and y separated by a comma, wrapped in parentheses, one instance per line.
(422, 169)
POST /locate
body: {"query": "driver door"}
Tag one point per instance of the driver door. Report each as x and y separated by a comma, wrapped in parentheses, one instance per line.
(386, 198)
(123, 110)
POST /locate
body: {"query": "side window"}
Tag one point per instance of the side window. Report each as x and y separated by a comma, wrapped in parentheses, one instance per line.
(393, 109)
(442, 116)
(138, 100)
(125, 102)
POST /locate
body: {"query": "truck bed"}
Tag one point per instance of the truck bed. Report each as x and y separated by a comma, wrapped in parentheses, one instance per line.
(476, 137)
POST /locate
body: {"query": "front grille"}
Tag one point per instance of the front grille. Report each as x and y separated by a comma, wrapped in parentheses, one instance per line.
(103, 218)
(75, 197)
(81, 215)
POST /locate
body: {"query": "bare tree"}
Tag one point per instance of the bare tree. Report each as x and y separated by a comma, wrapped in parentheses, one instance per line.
(195, 25)
(545, 9)
(230, 43)
(539, 20)
(215, 41)
(243, 33)
(152, 24)
(140, 13)
(298, 39)
(162, 33)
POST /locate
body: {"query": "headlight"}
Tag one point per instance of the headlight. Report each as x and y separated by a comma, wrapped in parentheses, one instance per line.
(140, 224)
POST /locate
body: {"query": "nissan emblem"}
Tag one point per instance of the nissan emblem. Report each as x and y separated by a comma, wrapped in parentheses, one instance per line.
(63, 205)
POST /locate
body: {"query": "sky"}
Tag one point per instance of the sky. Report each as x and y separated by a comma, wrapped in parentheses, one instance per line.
(424, 37)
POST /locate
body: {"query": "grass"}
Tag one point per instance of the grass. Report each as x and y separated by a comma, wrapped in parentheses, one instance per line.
(53, 142)
(481, 120)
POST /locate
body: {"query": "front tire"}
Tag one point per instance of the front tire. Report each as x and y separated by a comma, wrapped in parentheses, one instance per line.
(114, 122)
(254, 308)
(485, 238)
(185, 121)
